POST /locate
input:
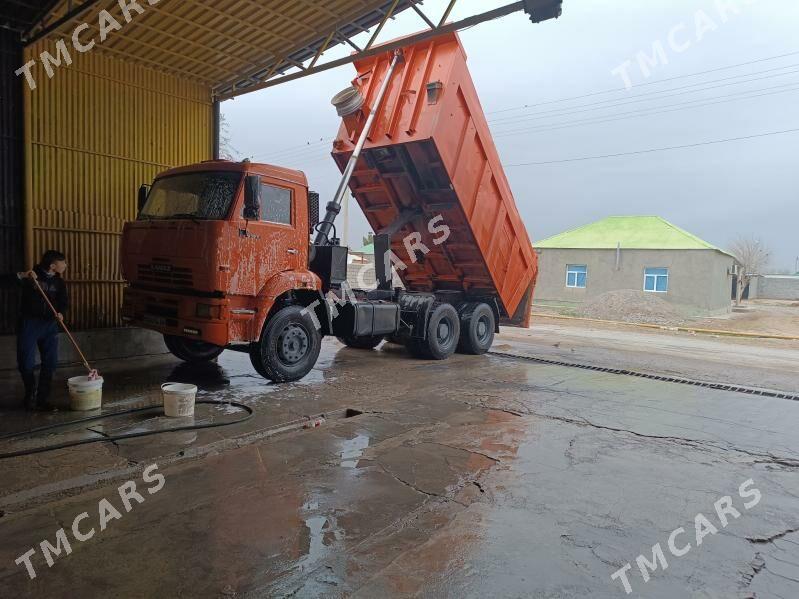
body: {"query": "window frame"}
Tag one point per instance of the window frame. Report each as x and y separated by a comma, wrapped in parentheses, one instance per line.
(229, 213)
(576, 274)
(292, 215)
(656, 278)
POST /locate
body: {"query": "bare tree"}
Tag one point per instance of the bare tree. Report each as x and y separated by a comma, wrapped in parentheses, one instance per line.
(226, 149)
(753, 257)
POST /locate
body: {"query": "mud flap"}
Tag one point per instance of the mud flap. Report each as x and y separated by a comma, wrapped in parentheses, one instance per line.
(521, 318)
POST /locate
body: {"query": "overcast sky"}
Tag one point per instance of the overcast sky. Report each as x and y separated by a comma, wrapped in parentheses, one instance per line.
(716, 191)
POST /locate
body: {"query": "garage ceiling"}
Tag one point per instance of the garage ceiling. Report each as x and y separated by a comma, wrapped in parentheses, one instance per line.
(228, 45)
(21, 15)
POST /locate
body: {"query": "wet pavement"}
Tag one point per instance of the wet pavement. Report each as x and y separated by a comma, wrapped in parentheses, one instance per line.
(477, 477)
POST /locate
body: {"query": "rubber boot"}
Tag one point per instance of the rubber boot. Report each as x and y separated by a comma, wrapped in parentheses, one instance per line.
(43, 391)
(29, 380)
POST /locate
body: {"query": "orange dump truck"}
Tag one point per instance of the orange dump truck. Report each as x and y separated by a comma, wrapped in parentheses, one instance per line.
(219, 256)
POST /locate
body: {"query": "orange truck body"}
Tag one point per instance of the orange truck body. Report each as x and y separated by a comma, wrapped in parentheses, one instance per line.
(430, 148)
(217, 280)
(237, 268)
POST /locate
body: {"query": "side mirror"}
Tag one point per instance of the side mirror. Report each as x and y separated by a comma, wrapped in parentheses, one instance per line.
(252, 197)
(144, 191)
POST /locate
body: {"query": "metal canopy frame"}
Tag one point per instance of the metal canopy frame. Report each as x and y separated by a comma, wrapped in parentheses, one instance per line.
(239, 46)
(371, 49)
(22, 15)
(224, 44)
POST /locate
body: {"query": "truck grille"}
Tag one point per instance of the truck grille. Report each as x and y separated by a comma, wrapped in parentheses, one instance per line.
(160, 312)
(166, 274)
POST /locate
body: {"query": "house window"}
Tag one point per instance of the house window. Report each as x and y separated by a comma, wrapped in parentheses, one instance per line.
(576, 275)
(275, 204)
(656, 280)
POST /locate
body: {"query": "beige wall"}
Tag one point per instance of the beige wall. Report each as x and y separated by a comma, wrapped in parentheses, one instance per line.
(699, 280)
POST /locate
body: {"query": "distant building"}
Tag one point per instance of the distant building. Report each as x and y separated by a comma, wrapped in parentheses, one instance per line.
(364, 255)
(646, 253)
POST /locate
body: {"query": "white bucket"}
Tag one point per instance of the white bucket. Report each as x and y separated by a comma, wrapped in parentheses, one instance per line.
(85, 394)
(178, 399)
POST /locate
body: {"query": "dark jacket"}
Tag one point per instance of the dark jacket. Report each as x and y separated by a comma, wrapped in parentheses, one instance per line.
(32, 304)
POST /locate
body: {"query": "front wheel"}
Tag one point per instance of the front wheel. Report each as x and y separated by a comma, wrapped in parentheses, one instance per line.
(191, 350)
(289, 346)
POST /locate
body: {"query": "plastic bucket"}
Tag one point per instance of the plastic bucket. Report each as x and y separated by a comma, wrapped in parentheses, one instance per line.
(85, 395)
(178, 399)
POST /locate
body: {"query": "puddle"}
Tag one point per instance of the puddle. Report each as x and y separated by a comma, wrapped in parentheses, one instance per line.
(352, 449)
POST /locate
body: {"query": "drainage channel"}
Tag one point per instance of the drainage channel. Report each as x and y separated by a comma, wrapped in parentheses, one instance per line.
(653, 377)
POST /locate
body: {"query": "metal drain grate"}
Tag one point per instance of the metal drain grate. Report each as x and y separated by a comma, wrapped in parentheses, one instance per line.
(654, 377)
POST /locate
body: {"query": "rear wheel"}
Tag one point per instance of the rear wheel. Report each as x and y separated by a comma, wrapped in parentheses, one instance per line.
(443, 331)
(361, 342)
(477, 329)
(289, 346)
(191, 350)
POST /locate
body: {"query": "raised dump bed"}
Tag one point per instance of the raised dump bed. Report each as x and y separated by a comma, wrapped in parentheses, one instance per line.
(430, 153)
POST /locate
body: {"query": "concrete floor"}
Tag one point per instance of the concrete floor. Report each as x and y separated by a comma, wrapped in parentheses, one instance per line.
(476, 477)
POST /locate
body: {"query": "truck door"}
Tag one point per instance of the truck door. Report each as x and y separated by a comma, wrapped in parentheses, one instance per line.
(269, 245)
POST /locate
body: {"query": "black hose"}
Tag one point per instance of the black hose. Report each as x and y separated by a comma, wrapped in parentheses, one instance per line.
(111, 438)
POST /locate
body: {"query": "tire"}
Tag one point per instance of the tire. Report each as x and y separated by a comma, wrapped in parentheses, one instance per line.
(361, 342)
(289, 346)
(477, 329)
(443, 331)
(190, 350)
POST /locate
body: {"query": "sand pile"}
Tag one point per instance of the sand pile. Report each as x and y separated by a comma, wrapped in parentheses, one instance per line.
(629, 305)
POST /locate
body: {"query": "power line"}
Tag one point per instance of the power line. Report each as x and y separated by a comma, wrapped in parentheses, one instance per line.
(617, 90)
(649, 111)
(659, 94)
(650, 151)
(293, 149)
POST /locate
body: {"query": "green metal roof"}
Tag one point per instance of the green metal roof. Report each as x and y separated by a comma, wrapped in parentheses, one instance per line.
(367, 249)
(632, 232)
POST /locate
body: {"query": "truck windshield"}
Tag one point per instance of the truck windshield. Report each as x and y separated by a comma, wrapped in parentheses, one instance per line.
(198, 196)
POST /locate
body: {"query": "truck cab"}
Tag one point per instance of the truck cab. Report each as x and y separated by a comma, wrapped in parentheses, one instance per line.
(215, 245)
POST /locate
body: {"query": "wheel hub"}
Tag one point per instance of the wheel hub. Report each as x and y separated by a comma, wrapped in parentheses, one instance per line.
(482, 328)
(293, 344)
(443, 331)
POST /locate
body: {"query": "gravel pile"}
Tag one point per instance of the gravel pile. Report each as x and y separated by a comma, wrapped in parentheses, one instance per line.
(630, 305)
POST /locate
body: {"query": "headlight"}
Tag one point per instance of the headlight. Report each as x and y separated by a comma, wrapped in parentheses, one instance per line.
(207, 311)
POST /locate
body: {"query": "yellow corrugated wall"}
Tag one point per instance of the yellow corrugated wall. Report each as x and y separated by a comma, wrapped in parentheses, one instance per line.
(95, 132)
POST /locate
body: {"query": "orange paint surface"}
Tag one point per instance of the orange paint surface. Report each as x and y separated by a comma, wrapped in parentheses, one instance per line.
(241, 267)
(431, 149)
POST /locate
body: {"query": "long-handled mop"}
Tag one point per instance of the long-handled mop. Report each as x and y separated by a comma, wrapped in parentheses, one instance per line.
(93, 374)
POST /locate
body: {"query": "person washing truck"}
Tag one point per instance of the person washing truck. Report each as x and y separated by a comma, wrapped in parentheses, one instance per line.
(38, 326)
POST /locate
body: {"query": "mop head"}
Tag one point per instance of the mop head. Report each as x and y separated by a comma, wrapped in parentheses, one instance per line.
(93, 375)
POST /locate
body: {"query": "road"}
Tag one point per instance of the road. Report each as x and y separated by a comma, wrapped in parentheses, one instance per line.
(480, 476)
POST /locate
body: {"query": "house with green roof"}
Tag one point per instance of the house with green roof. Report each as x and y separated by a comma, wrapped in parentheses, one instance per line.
(645, 253)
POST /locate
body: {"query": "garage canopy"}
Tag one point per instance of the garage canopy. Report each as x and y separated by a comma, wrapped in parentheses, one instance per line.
(227, 45)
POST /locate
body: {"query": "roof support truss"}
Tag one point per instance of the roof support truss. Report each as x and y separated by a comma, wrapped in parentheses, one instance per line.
(370, 50)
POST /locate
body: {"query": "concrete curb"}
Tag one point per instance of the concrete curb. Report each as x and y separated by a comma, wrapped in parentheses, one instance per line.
(744, 334)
